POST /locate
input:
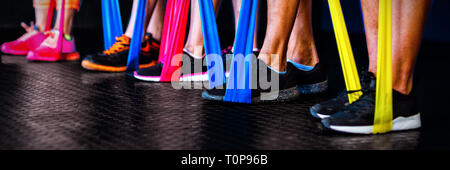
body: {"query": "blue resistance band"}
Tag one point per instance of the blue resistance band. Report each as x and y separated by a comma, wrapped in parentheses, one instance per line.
(214, 61)
(112, 22)
(136, 40)
(239, 83)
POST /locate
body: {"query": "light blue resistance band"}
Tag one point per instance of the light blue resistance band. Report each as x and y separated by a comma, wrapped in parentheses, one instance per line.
(136, 40)
(112, 22)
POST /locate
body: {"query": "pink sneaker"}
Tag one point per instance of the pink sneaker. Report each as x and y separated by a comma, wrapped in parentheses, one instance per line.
(48, 51)
(27, 42)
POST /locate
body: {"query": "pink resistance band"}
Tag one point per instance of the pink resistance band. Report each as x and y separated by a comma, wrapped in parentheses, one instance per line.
(172, 43)
(61, 27)
(51, 7)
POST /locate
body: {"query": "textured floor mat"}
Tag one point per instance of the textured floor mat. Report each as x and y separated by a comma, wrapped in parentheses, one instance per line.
(62, 106)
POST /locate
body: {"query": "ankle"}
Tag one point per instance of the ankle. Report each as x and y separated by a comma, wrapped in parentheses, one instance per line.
(273, 61)
(307, 61)
(402, 84)
(194, 50)
(68, 37)
(305, 55)
(157, 38)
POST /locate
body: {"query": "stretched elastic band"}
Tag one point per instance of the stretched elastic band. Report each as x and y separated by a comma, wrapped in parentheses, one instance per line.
(383, 100)
(349, 69)
(136, 40)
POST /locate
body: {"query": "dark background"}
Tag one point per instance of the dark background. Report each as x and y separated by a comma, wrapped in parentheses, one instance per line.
(431, 80)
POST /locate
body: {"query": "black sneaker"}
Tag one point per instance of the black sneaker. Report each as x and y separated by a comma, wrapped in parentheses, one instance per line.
(115, 58)
(196, 75)
(195, 70)
(358, 117)
(327, 108)
(292, 84)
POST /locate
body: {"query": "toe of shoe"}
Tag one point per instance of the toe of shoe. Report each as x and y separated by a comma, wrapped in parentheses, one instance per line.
(326, 123)
(313, 110)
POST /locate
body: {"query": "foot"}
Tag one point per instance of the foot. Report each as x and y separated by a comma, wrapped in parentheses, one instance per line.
(27, 42)
(327, 108)
(358, 117)
(192, 69)
(196, 71)
(115, 58)
(292, 83)
(48, 51)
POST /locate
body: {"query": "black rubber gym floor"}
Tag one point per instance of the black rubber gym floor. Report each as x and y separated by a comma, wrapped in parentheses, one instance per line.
(61, 106)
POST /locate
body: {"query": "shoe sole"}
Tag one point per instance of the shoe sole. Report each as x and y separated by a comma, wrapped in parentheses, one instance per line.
(285, 95)
(18, 53)
(64, 57)
(198, 77)
(318, 115)
(398, 124)
(88, 65)
(291, 94)
(147, 78)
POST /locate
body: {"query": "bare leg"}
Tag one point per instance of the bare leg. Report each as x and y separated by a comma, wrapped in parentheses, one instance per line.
(194, 42)
(408, 23)
(155, 26)
(280, 21)
(301, 47)
(131, 23)
(370, 14)
(68, 21)
(237, 11)
(41, 14)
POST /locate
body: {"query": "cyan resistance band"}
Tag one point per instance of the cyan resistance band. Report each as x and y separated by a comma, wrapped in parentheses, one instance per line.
(112, 22)
(174, 44)
(349, 69)
(138, 33)
(213, 53)
(239, 83)
(383, 100)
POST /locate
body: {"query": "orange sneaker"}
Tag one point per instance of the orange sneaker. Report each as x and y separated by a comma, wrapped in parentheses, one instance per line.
(115, 58)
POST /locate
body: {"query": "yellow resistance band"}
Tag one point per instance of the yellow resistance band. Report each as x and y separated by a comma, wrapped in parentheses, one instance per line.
(383, 101)
(351, 77)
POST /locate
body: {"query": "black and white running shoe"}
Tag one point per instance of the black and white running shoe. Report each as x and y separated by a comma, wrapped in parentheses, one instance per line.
(292, 84)
(327, 108)
(358, 117)
(192, 69)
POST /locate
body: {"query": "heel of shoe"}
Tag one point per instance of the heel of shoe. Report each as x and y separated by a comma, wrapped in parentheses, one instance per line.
(71, 56)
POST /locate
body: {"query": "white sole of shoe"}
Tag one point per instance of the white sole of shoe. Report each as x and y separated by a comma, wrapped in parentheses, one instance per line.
(148, 78)
(398, 124)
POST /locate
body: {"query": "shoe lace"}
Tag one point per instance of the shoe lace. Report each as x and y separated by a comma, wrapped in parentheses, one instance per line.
(363, 102)
(121, 44)
(365, 83)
